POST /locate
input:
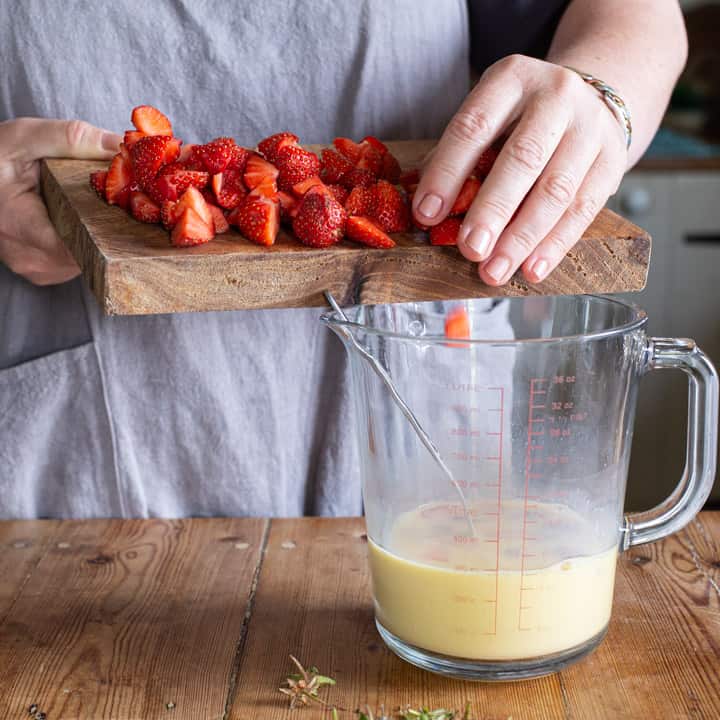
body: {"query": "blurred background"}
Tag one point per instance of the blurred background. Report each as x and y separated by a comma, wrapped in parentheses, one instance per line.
(674, 193)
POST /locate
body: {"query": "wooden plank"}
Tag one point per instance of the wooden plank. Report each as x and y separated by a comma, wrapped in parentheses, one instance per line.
(132, 269)
(121, 618)
(313, 600)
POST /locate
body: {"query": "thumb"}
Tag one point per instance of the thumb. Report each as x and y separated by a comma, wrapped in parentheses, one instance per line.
(65, 139)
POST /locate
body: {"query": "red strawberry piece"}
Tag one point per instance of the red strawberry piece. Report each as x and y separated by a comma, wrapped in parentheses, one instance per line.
(186, 152)
(358, 177)
(289, 205)
(267, 189)
(170, 186)
(302, 187)
(410, 179)
(466, 196)
(209, 196)
(390, 169)
(446, 232)
(118, 181)
(457, 325)
(220, 222)
(218, 154)
(150, 121)
(191, 229)
(271, 146)
(320, 220)
(295, 165)
(97, 182)
(365, 231)
(333, 166)
(142, 208)
(340, 193)
(228, 188)
(192, 198)
(361, 201)
(258, 170)
(258, 219)
(192, 158)
(486, 161)
(149, 154)
(349, 149)
(391, 210)
(370, 159)
(125, 152)
(172, 167)
(132, 136)
(168, 214)
(377, 144)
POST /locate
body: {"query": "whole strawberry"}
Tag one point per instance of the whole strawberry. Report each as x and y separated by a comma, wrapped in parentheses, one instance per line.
(271, 146)
(390, 211)
(295, 165)
(320, 220)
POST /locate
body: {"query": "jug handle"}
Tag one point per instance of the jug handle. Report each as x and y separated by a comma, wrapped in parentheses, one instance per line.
(700, 458)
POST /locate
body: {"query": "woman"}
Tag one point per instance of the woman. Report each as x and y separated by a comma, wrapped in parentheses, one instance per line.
(249, 412)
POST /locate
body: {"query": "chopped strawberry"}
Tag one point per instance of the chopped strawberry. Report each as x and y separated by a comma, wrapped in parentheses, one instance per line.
(391, 211)
(320, 220)
(258, 219)
(271, 146)
(172, 167)
(192, 198)
(410, 179)
(118, 181)
(220, 222)
(191, 229)
(150, 153)
(171, 185)
(358, 177)
(150, 121)
(97, 182)
(228, 188)
(486, 161)
(457, 326)
(302, 187)
(142, 208)
(349, 149)
(125, 152)
(333, 166)
(365, 231)
(132, 136)
(390, 169)
(267, 189)
(295, 165)
(289, 205)
(340, 193)
(168, 214)
(186, 153)
(258, 170)
(446, 232)
(370, 159)
(221, 153)
(377, 144)
(466, 196)
(361, 201)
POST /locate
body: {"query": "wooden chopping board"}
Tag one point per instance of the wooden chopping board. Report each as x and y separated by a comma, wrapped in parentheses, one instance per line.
(132, 269)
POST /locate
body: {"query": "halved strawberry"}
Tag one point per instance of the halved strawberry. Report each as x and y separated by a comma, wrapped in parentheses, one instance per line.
(349, 149)
(446, 232)
(377, 144)
(358, 177)
(295, 165)
(117, 182)
(150, 153)
(258, 219)
(267, 189)
(390, 169)
(220, 222)
(150, 121)
(191, 229)
(258, 170)
(228, 188)
(361, 201)
(132, 136)
(390, 211)
(97, 182)
(320, 220)
(370, 159)
(302, 187)
(142, 208)
(222, 153)
(365, 231)
(466, 196)
(340, 193)
(168, 214)
(486, 161)
(271, 146)
(333, 166)
(171, 185)
(289, 205)
(192, 198)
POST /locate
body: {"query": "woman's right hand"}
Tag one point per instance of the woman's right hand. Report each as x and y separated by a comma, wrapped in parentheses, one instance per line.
(29, 245)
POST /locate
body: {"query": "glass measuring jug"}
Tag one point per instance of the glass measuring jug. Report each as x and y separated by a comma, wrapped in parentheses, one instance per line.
(506, 570)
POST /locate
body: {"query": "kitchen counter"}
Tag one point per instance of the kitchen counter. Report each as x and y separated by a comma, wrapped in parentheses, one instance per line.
(195, 619)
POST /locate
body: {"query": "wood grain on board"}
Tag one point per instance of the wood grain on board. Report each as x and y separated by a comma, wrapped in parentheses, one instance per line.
(195, 619)
(132, 269)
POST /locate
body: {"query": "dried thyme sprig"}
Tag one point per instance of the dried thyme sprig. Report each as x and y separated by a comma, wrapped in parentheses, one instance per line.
(302, 687)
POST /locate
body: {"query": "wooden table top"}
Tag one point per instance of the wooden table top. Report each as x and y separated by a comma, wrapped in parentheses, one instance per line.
(195, 619)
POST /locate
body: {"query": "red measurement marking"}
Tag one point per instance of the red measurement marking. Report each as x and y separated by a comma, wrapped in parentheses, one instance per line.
(493, 434)
(534, 433)
(492, 457)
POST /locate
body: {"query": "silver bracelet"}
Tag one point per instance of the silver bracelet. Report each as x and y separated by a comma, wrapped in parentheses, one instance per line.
(613, 101)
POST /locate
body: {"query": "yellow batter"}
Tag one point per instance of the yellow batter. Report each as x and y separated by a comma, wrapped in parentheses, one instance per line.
(437, 589)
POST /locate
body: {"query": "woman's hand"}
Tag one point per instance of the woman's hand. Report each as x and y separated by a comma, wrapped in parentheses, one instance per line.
(563, 158)
(29, 245)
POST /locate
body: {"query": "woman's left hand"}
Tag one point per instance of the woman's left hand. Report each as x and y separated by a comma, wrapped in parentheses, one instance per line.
(563, 158)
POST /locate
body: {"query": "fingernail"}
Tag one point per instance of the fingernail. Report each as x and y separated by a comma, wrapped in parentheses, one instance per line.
(478, 240)
(539, 269)
(110, 140)
(497, 268)
(430, 205)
